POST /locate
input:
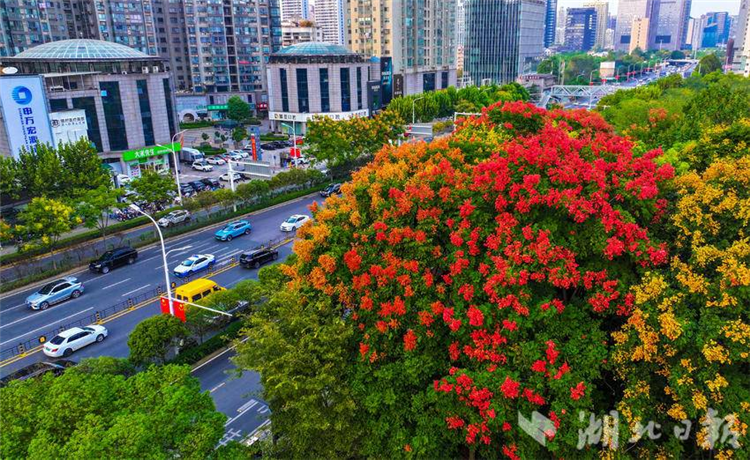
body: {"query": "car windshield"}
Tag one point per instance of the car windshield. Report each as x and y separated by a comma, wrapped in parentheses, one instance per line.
(57, 340)
(48, 288)
(106, 255)
(227, 228)
(88, 329)
(291, 220)
(188, 262)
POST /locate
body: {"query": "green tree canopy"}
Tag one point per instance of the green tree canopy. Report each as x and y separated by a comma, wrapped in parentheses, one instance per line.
(153, 338)
(95, 205)
(100, 413)
(153, 187)
(709, 63)
(46, 220)
(237, 109)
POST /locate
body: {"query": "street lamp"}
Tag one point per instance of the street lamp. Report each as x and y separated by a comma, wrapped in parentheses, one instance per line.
(176, 163)
(294, 134)
(163, 255)
(413, 102)
(591, 76)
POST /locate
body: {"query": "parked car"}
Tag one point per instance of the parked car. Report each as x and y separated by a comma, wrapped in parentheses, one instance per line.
(198, 186)
(37, 369)
(211, 184)
(194, 264)
(268, 146)
(75, 338)
(225, 177)
(215, 160)
(239, 153)
(257, 257)
(55, 292)
(287, 143)
(294, 222)
(201, 166)
(115, 258)
(174, 217)
(234, 156)
(330, 190)
(233, 229)
(122, 180)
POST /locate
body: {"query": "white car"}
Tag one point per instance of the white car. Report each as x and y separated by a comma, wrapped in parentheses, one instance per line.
(214, 160)
(194, 264)
(294, 222)
(200, 166)
(240, 153)
(123, 179)
(174, 217)
(73, 339)
(225, 177)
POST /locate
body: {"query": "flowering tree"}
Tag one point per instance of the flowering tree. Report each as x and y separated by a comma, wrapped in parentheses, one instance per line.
(482, 276)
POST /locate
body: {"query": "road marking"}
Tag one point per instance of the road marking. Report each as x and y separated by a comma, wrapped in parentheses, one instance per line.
(13, 308)
(46, 326)
(264, 409)
(217, 387)
(218, 356)
(115, 284)
(152, 257)
(246, 407)
(135, 290)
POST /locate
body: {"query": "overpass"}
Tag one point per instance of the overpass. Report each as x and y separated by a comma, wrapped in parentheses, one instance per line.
(584, 93)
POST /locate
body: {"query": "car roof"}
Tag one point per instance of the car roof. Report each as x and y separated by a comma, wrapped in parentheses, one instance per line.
(237, 222)
(68, 332)
(298, 215)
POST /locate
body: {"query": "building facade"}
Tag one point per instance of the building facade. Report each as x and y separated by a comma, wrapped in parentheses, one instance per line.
(627, 12)
(550, 23)
(294, 10)
(293, 32)
(418, 36)
(316, 79)
(741, 45)
(108, 83)
(503, 39)
(329, 15)
(667, 23)
(640, 34)
(580, 29)
(602, 18)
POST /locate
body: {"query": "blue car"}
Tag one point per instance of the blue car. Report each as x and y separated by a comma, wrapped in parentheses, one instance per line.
(55, 292)
(238, 228)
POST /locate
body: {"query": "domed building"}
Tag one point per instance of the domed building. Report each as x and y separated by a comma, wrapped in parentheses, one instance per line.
(125, 96)
(311, 79)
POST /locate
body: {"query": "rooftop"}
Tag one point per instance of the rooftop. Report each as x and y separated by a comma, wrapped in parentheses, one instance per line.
(83, 50)
(313, 49)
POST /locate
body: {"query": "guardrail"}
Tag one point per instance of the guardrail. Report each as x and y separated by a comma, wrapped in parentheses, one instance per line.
(33, 344)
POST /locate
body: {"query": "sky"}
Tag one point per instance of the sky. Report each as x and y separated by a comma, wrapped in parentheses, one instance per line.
(699, 6)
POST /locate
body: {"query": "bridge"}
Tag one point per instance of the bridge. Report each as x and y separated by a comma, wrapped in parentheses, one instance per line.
(584, 93)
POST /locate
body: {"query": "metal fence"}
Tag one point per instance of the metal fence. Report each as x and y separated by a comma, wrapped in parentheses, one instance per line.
(131, 303)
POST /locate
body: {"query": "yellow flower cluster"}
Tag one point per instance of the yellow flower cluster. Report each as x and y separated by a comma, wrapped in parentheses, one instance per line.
(714, 352)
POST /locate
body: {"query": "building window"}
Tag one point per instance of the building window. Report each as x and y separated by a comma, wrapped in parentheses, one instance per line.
(170, 107)
(346, 95)
(444, 80)
(359, 88)
(303, 102)
(146, 120)
(89, 107)
(113, 115)
(428, 82)
(325, 101)
(56, 105)
(284, 94)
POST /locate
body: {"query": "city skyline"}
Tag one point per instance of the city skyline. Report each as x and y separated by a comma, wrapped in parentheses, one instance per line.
(699, 7)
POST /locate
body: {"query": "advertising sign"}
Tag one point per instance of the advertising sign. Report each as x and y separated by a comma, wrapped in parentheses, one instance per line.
(68, 126)
(386, 80)
(24, 108)
(375, 96)
(306, 117)
(398, 85)
(218, 107)
(145, 152)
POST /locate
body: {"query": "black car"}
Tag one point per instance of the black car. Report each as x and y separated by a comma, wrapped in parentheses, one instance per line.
(211, 184)
(113, 259)
(37, 370)
(268, 146)
(198, 186)
(278, 144)
(257, 257)
(330, 190)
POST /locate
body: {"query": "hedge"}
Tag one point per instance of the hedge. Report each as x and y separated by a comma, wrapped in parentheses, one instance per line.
(192, 355)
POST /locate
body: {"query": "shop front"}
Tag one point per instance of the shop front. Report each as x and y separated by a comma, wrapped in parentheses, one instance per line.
(155, 158)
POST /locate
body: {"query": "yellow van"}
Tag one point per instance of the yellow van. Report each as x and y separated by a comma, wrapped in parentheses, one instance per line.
(196, 290)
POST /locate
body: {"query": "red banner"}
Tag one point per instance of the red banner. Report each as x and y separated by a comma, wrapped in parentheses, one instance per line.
(179, 308)
(255, 149)
(294, 152)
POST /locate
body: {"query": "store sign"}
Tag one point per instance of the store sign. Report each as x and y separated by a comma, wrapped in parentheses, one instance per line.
(68, 126)
(25, 113)
(146, 152)
(398, 85)
(306, 117)
(218, 107)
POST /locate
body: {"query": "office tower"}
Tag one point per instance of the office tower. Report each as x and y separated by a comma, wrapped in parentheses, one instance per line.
(417, 36)
(460, 33)
(741, 46)
(502, 38)
(292, 10)
(671, 18)
(560, 29)
(627, 12)
(713, 28)
(25, 24)
(602, 18)
(639, 36)
(329, 16)
(550, 23)
(580, 29)
(690, 33)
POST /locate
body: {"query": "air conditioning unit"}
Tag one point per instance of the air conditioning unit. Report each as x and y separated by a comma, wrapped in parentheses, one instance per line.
(144, 69)
(155, 69)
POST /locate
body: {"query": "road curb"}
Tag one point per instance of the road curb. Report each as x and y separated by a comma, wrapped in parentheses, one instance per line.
(78, 269)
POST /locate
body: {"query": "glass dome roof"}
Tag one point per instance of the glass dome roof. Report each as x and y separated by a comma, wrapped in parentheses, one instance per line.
(314, 49)
(82, 50)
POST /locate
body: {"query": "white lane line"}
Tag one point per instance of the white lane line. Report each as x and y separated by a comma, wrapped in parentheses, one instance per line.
(152, 257)
(217, 387)
(246, 407)
(115, 284)
(136, 290)
(12, 308)
(218, 356)
(46, 326)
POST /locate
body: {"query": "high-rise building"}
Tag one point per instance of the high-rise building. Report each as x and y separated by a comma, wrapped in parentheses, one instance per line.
(550, 23)
(293, 10)
(560, 29)
(627, 12)
(417, 36)
(294, 32)
(329, 16)
(667, 23)
(502, 38)
(690, 33)
(741, 46)
(580, 29)
(639, 34)
(460, 33)
(602, 18)
(710, 29)
(25, 24)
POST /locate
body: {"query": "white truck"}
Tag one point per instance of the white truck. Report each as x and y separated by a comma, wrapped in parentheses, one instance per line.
(189, 156)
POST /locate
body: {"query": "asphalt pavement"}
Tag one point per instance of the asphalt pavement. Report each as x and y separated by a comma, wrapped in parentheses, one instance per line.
(19, 324)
